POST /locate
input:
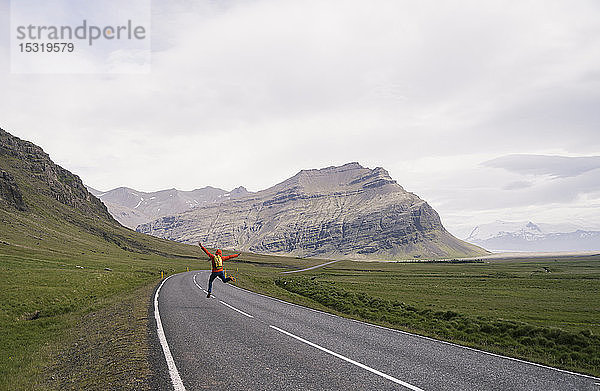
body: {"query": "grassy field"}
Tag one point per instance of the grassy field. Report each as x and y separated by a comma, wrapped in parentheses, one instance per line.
(562, 293)
(44, 298)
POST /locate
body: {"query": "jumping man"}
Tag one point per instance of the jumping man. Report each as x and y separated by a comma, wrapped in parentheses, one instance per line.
(217, 267)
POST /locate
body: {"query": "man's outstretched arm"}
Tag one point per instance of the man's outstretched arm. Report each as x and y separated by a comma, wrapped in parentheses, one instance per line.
(205, 250)
(231, 256)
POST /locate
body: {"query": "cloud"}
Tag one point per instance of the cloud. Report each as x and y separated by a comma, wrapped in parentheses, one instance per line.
(466, 192)
(555, 166)
(517, 185)
(426, 90)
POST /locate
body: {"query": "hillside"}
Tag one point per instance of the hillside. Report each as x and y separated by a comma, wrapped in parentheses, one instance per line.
(131, 207)
(63, 258)
(42, 202)
(342, 212)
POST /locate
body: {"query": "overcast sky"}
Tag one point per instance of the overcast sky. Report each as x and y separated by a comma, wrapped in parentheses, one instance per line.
(486, 109)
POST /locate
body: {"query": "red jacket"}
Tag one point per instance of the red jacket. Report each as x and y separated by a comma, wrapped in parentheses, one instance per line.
(216, 265)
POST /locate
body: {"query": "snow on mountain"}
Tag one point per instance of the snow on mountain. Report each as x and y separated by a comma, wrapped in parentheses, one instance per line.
(131, 207)
(529, 236)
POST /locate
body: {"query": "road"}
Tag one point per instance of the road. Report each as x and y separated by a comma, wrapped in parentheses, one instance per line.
(240, 340)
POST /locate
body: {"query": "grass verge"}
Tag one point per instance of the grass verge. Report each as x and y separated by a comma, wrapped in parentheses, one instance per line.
(108, 349)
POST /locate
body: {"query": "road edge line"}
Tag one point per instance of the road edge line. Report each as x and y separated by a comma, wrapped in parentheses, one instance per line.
(173, 372)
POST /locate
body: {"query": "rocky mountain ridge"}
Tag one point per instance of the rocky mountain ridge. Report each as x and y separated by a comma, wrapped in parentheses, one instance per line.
(345, 212)
(20, 156)
(47, 209)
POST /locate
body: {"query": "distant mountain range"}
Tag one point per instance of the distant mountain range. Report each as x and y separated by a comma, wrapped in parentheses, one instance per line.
(529, 236)
(132, 207)
(345, 212)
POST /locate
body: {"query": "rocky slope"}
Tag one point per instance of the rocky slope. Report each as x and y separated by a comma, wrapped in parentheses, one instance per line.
(343, 212)
(132, 207)
(529, 236)
(10, 194)
(28, 161)
(45, 207)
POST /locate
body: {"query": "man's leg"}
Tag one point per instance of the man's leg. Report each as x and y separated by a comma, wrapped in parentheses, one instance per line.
(225, 279)
(222, 277)
(212, 277)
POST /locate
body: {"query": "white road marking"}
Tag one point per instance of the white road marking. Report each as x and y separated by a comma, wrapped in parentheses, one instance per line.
(363, 366)
(235, 309)
(199, 287)
(309, 268)
(175, 378)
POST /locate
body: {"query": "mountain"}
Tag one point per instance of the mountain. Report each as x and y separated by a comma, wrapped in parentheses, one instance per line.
(132, 207)
(343, 212)
(529, 236)
(47, 208)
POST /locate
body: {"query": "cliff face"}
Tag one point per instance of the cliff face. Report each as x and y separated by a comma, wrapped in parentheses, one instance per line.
(26, 169)
(47, 209)
(10, 194)
(343, 212)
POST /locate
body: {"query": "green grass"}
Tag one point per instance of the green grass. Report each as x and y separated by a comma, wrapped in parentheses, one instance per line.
(43, 298)
(106, 349)
(567, 297)
(515, 308)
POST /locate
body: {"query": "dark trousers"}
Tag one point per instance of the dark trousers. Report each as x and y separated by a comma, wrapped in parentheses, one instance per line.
(214, 275)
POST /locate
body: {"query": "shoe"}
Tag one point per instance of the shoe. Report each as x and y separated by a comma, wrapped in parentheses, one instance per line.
(208, 296)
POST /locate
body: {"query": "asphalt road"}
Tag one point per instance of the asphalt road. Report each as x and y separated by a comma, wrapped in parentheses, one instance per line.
(240, 340)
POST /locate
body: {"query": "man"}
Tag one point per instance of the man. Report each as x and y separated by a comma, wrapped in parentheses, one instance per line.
(217, 267)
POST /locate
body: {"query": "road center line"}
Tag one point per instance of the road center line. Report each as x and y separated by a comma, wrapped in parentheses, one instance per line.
(235, 309)
(175, 378)
(363, 366)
